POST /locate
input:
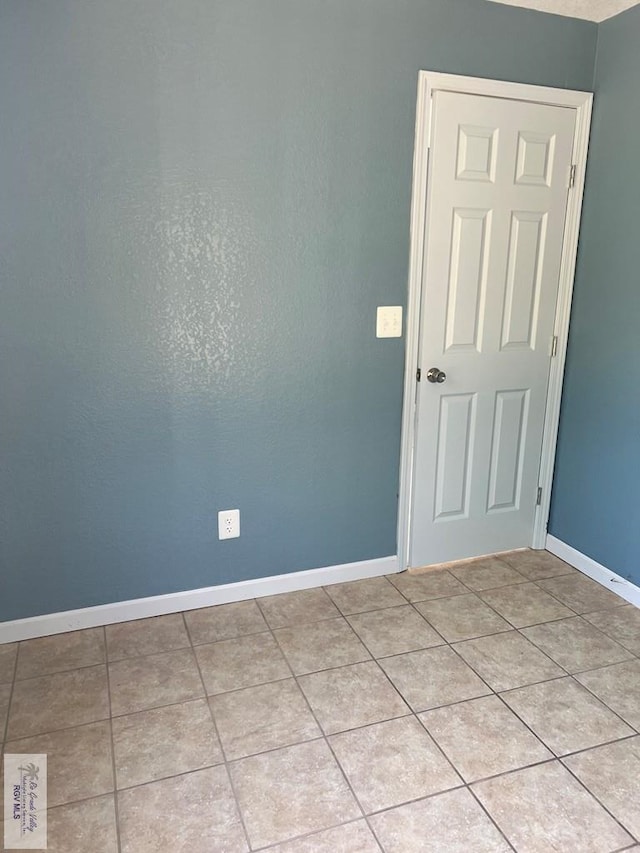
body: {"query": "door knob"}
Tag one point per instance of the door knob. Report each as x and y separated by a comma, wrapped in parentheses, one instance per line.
(434, 374)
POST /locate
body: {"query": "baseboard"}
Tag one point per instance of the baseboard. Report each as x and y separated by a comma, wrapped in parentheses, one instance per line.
(624, 588)
(159, 605)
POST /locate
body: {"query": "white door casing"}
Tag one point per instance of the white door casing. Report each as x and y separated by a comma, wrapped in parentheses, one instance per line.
(492, 268)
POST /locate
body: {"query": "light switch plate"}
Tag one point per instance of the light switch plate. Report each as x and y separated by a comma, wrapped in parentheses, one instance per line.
(389, 321)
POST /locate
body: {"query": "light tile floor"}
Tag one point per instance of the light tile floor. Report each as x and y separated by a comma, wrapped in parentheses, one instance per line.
(493, 706)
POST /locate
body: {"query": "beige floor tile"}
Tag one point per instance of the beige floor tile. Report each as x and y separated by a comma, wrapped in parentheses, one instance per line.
(575, 644)
(320, 645)
(298, 608)
(291, 791)
(81, 827)
(392, 762)
(194, 813)
(58, 701)
(544, 808)
(46, 655)
(632, 645)
(453, 823)
(462, 617)
(525, 604)
(241, 662)
(355, 837)
(162, 742)
(581, 594)
(265, 717)
(368, 594)
(620, 623)
(428, 585)
(79, 761)
(483, 738)
(224, 622)
(486, 573)
(433, 677)
(8, 652)
(612, 774)
(137, 684)
(508, 660)
(5, 694)
(146, 636)
(618, 687)
(351, 696)
(565, 716)
(394, 631)
(537, 565)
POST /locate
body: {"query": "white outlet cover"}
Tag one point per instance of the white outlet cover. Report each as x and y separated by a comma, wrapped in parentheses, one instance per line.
(389, 321)
(229, 524)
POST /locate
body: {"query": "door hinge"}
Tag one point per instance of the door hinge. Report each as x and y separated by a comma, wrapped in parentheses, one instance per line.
(572, 175)
(418, 375)
(554, 346)
(539, 496)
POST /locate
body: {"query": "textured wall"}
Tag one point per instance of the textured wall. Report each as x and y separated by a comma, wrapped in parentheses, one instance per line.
(596, 497)
(203, 202)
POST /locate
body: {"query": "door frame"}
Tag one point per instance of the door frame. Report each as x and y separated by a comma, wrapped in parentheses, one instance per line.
(428, 82)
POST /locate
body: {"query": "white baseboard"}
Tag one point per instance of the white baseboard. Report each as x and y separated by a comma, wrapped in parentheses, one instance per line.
(624, 588)
(159, 605)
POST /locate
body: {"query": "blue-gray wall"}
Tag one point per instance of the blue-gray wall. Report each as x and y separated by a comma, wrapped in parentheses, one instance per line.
(202, 203)
(596, 497)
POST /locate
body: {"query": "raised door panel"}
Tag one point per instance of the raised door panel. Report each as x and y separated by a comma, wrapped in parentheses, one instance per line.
(507, 451)
(470, 246)
(456, 426)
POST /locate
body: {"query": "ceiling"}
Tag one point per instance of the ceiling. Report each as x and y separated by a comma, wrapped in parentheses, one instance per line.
(591, 10)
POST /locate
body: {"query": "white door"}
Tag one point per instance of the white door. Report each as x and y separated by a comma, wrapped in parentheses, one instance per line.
(497, 195)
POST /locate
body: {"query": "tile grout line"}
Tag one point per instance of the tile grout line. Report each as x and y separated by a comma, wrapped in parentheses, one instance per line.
(352, 729)
(503, 772)
(116, 805)
(600, 803)
(554, 758)
(5, 729)
(413, 714)
(491, 817)
(466, 785)
(604, 704)
(554, 755)
(376, 660)
(320, 727)
(225, 763)
(634, 727)
(479, 595)
(578, 671)
(558, 761)
(555, 596)
(585, 749)
(535, 683)
(306, 835)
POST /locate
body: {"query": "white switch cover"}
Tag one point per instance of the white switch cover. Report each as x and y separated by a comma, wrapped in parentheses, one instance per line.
(389, 321)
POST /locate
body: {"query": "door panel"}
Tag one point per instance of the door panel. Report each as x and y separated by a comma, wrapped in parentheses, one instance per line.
(507, 451)
(467, 279)
(524, 278)
(498, 179)
(455, 440)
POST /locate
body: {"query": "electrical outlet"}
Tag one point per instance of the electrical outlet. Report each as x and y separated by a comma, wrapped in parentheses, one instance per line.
(229, 524)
